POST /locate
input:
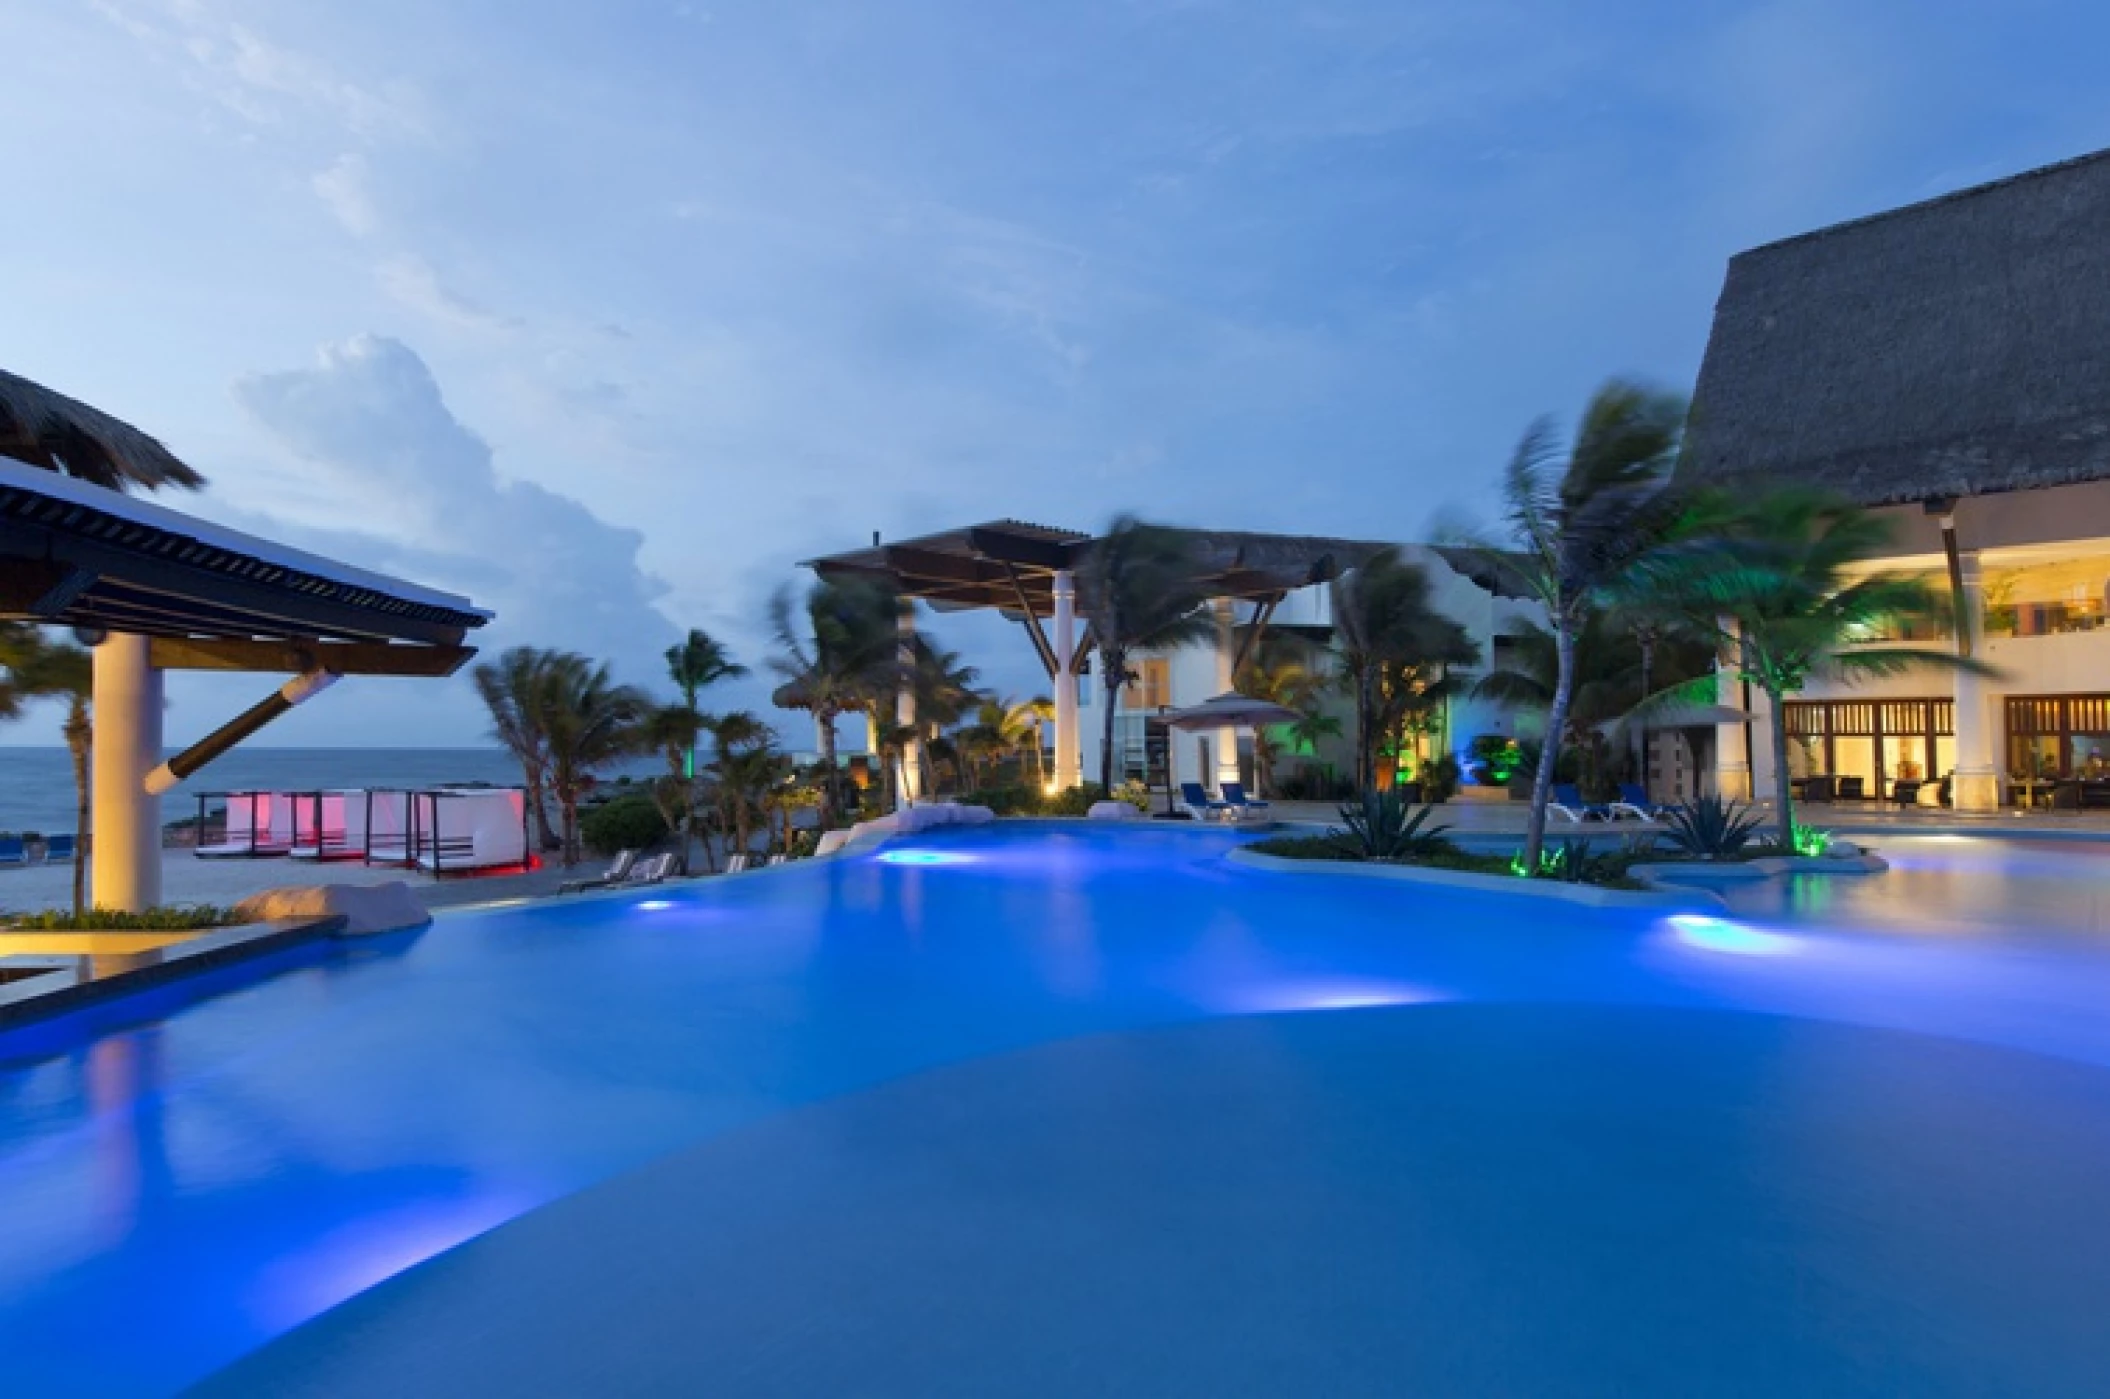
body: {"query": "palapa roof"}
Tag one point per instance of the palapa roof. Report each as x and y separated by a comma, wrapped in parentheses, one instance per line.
(50, 430)
(1955, 347)
(1010, 565)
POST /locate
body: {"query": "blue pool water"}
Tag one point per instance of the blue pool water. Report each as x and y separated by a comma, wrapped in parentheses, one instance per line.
(1033, 1102)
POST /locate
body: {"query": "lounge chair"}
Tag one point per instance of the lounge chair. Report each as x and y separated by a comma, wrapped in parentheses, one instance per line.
(737, 864)
(832, 841)
(1200, 805)
(780, 859)
(1234, 796)
(59, 850)
(13, 851)
(1568, 802)
(618, 870)
(1634, 802)
(652, 871)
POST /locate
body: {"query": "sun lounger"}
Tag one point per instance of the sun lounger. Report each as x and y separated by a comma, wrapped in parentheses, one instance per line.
(832, 841)
(1234, 795)
(1568, 803)
(13, 851)
(736, 864)
(1633, 802)
(1200, 805)
(780, 859)
(618, 870)
(59, 850)
(652, 871)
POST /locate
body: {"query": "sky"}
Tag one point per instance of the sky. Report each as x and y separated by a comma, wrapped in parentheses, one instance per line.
(608, 314)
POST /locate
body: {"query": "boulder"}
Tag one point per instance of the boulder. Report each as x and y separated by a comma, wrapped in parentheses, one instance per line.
(931, 815)
(1113, 811)
(365, 908)
(1841, 848)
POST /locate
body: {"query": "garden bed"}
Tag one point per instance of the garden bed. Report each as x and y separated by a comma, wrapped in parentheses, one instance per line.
(1461, 870)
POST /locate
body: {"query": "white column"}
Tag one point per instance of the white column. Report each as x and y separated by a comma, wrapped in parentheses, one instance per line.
(1069, 755)
(124, 820)
(905, 708)
(1225, 748)
(1977, 784)
(1732, 751)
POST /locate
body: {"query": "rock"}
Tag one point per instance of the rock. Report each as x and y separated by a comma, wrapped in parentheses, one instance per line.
(912, 820)
(1843, 849)
(366, 908)
(1113, 811)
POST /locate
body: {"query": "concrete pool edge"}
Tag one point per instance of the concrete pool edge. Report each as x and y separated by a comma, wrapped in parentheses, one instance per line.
(41, 998)
(1587, 895)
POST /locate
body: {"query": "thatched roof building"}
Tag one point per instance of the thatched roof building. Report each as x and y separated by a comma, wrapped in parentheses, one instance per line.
(50, 430)
(1957, 347)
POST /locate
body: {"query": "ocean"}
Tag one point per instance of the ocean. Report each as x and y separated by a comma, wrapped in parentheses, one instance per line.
(36, 784)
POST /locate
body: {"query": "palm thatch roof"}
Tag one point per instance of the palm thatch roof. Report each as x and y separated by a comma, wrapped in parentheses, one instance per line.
(62, 434)
(1951, 348)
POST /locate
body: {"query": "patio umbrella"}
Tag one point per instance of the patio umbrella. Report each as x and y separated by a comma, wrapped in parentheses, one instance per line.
(1230, 710)
(1678, 716)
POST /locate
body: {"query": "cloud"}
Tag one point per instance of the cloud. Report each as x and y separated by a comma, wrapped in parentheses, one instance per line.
(411, 282)
(344, 190)
(391, 479)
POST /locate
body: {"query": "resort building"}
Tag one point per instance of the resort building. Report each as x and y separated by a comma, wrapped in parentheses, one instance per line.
(1945, 364)
(1260, 583)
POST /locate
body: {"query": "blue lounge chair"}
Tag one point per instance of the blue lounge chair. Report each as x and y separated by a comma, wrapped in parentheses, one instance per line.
(1199, 804)
(1234, 795)
(13, 851)
(1568, 801)
(58, 850)
(1634, 802)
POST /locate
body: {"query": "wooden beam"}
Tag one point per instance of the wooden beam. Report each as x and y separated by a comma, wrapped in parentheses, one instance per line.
(1021, 549)
(299, 657)
(1039, 637)
(1254, 630)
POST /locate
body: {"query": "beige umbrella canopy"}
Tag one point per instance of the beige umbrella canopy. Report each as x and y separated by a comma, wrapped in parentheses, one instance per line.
(1231, 710)
(63, 434)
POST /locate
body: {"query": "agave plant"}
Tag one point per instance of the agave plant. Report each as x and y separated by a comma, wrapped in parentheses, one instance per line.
(1709, 827)
(1385, 826)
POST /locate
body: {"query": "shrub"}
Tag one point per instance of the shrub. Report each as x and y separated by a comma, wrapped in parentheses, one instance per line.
(1008, 800)
(1383, 826)
(1439, 779)
(167, 919)
(1074, 802)
(1710, 828)
(1135, 794)
(626, 822)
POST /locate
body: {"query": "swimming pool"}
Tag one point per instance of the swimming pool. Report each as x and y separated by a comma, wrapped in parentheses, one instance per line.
(1014, 1107)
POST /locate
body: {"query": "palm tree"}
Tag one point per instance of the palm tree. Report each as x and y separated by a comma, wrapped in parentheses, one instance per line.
(36, 667)
(1774, 583)
(512, 688)
(1385, 625)
(1282, 669)
(1140, 590)
(1580, 525)
(946, 693)
(671, 730)
(63, 434)
(839, 654)
(588, 721)
(749, 767)
(1031, 719)
(695, 665)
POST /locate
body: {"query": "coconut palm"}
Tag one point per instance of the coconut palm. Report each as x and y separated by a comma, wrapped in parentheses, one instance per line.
(839, 653)
(511, 687)
(1385, 627)
(1030, 720)
(1288, 671)
(1775, 584)
(63, 434)
(695, 665)
(36, 667)
(1580, 523)
(588, 722)
(748, 769)
(671, 730)
(1140, 589)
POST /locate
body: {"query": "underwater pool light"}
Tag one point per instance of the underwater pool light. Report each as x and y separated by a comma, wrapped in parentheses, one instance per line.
(924, 857)
(1722, 935)
(654, 905)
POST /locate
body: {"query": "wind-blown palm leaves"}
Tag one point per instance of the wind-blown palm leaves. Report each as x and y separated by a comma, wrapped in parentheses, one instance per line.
(62, 434)
(36, 667)
(1579, 523)
(1388, 638)
(839, 653)
(513, 688)
(1140, 589)
(695, 665)
(588, 722)
(1779, 584)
